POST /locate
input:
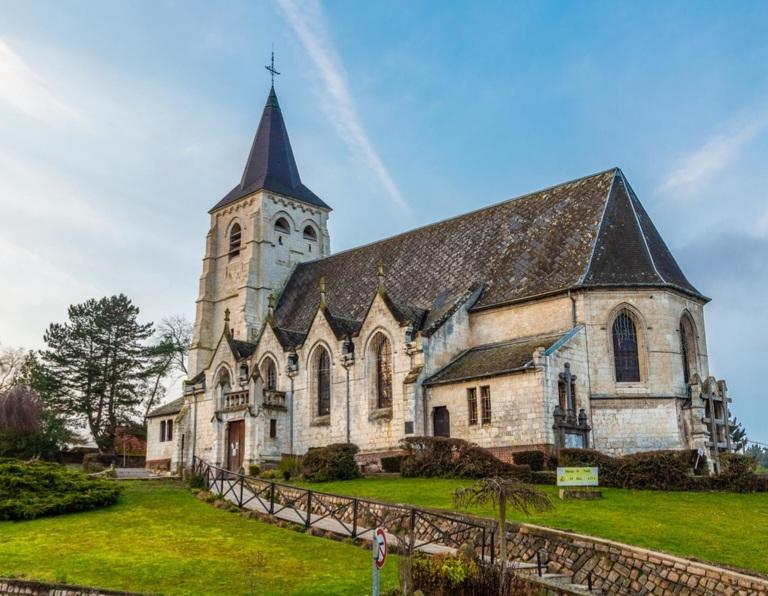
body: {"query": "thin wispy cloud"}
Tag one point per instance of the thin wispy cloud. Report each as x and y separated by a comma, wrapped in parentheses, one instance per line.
(308, 23)
(717, 153)
(25, 90)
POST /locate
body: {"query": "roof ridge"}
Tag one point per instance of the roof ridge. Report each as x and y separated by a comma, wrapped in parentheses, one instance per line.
(630, 193)
(599, 227)
(460, 215)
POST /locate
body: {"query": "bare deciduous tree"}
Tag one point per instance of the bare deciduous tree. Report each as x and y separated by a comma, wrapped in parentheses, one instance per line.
(169, 354)
(11, 362)
(20, 410)
(501, 492)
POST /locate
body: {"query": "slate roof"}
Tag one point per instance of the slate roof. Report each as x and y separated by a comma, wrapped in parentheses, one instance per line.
(271, 165)
(241, 349)
(588, 233)
(492, 360)
(172, 407)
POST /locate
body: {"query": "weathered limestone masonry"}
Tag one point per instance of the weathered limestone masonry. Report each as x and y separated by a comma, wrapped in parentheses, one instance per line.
(622, 569)
(14, 587)
(556, 319)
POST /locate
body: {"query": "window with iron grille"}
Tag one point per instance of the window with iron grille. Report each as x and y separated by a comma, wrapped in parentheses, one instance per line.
(235, 235)
(383, 373)
(472, 405)
(485, 401)
(625, 355)
(323, 380)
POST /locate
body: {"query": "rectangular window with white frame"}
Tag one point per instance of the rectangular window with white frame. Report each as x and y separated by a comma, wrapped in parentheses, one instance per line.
(472, 405)
(485, 403)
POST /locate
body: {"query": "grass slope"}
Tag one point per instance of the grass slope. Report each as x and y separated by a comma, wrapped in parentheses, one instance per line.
(158, 538)
(724, 528)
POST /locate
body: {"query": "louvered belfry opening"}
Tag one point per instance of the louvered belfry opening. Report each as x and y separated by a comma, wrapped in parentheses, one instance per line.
(625, 352)
(323, 380)
(383, 373)
(235, 236)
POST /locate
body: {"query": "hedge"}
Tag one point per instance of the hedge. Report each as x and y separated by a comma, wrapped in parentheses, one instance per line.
(332, 462)
(443, 457)
(664, 470)
(34, 489)
(536, 459)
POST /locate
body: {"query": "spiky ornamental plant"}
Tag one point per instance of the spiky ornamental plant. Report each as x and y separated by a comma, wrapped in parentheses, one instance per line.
(502, 493)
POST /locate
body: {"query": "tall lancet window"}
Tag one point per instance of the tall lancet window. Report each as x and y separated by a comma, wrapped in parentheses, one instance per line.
(322, 373)
(687, 347)
(625, 354)
(235, 236)
(383, 351)
(269, 374)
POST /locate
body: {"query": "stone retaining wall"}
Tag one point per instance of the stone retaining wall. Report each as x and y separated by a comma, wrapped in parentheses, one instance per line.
(14, 587)
(622, 569)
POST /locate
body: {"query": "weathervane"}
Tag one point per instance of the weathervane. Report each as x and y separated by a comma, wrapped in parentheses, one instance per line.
(271, 69)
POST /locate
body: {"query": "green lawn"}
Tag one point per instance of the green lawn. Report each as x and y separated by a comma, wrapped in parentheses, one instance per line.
(160, 539)
(723, 528)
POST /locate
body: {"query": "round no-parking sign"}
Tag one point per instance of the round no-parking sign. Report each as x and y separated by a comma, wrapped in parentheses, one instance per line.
(380, 547)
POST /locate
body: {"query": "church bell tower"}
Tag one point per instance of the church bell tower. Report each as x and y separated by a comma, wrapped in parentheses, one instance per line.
(259, 231)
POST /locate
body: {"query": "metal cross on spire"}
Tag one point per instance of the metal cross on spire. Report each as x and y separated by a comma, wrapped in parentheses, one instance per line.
(271, 69)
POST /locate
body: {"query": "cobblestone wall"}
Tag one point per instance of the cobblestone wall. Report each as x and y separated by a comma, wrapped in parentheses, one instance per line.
(13, 587)
(621, 569)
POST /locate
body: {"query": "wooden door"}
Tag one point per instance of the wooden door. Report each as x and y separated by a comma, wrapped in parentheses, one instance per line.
(235, 445)
(441, 422)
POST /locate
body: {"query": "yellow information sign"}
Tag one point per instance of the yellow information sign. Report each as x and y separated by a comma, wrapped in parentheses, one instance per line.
(577, 476)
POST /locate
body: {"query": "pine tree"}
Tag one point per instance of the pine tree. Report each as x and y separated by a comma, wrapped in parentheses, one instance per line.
(738, 434)
(99, 361)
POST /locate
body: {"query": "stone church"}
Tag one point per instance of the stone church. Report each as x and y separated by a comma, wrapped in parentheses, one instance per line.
(556, 319)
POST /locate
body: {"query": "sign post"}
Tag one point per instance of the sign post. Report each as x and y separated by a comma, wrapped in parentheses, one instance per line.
(379, 555)
(578, 483)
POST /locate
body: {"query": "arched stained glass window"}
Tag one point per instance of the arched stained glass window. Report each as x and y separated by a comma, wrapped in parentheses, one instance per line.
(383, 373)
(625, 354)
(323, 382)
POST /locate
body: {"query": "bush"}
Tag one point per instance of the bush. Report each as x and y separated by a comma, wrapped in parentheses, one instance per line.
(454, 458)
(253, 470)
(34, 489)
(535, 459)
(289, 467)
(737, 473)
(660, 470)
(196, 482)
(333, 462)
(392, 463)
(544, 477)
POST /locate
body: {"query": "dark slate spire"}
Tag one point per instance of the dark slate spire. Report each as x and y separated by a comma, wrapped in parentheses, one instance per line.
(271, 165)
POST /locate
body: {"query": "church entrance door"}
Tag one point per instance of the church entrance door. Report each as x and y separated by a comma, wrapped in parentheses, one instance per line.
(441, 422)
(235, 445)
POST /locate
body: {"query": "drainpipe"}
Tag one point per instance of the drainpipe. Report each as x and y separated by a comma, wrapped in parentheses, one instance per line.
(194, 429)
(290, 411)
(349, 418)
(424, 395)
(573, 309)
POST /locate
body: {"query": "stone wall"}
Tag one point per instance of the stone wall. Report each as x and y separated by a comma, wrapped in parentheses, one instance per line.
(622, 569)
(13, 587)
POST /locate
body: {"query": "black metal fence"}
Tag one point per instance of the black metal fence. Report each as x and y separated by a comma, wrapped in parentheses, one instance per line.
(414, 529)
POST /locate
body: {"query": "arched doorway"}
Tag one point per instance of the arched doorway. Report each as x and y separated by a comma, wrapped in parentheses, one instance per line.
(441, 422)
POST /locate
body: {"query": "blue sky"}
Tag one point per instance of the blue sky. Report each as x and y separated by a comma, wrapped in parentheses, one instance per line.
(121, 124)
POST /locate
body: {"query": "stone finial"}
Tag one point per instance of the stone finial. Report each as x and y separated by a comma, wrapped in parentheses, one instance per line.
(380, 274)
(322, 292)
(226, 321)
(538, 356)
(271, 306)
